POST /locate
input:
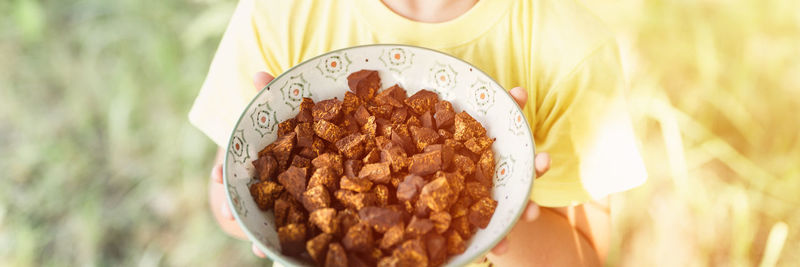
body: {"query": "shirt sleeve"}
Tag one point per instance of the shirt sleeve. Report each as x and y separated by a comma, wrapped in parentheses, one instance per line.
(582, 121)
(228, 86)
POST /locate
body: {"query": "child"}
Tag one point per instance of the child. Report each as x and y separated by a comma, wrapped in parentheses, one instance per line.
(565, 58)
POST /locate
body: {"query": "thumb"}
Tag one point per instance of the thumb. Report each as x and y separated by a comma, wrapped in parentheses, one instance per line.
(261, 79)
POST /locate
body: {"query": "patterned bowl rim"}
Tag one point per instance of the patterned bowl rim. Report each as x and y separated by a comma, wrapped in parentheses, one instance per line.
(277, 256)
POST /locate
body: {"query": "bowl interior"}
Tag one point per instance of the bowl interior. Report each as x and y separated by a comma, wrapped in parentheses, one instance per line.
(414, 68)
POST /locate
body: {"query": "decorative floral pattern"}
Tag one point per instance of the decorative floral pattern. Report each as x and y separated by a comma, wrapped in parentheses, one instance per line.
(503, 170)
(334, 66)
(397, 59)
(264, 119)
(239, 147)
(482, 96)
(516, 123)
(294, 89)
(237, 201)
(444, 78)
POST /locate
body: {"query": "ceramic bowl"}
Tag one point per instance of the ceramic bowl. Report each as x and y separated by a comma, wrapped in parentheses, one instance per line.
(414, 68)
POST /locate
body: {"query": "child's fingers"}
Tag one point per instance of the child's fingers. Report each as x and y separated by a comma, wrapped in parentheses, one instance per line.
(258, 252)
(520, 95)
(225, 211)
(501, 247)
(261, 79)
(216, 173)
(531, 212)
(541, 163)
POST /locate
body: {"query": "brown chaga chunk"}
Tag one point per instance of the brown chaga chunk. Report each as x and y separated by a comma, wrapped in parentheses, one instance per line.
(330, 160)
(265, 193)
(485, 170)
(437, 248)
(389, 261)
(423, 136)
(418, 227)
(346, 218)
(361, 115)
(411, 253)
(444, 134)
(349, 125)
(372, 156)
(355, 260)
(444, 115)
(283, 149)
(380, 219)
(403, 141)
(461, 207)
(294, 180)
(323, 176)
(325, 220)
(355, 200)
(381, 142)
(441, 221)
(422, 101)
(286, 127)
(265, 167)
(436, 194)
(397, 177)
(350, 103)
(463, 227)
(455, 180)
(318, 146)
(370, 127)
(393, 96)
(329, 110)
(365, 83)
(425, 163)
(426, 119)
(328, 131)
(478, 144)
(307, 152)
(305, 134)
(301, 162)
(481, 212)
(281, 211)
(392, 236)
(395, 155)
(336, 256)
(292, 238)
(376, 172)
(413, 121)
(381, 194)
(463, 164)
(305, 110)
(399, 115)
(351, 146)
(358, 238)
(478, 190)
(421, 209)
(316, 198)
(352, 167)
(316, 246)
(355, 184)
(455, 243)
(410, 187)
(296, 215)
(467, 127)
(447, 153)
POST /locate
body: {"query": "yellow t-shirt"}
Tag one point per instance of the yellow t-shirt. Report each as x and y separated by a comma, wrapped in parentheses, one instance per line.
(556, 49)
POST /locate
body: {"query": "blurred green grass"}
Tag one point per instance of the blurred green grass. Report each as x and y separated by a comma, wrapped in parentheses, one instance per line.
(102, 168)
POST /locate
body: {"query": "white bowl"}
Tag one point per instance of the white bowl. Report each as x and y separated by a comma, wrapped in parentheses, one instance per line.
(414, 68)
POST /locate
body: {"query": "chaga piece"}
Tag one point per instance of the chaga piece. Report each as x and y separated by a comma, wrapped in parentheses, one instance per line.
(323, 176)
(418, 227)
(317, 247)
(392, 236)
(325, 220)
(355, 260)
(436, 194)
(266, 166)
(423, 136)
(426, 119)
(382, 111)
(481, 212)
(361, 115)
(441, 221)
(444, 134)
(478, 190)
(318, 146)
(305, 134)
(421, 209)
(296, 215)
(301, 162)
(349, 125)
(425, 163)
(478, 144)
(389, 261)
(381, 194)
(294, 180)
(462, 226)
(358, 238)
(447, 153)
(422, 101)
(265, 193)
(403, 141)
(351, 146)
(380, 219)
(355, 200)
(373, 256)
(411, 253)
(373, 156)
(395, 155)
(350, 103)
(393, 96)
(409, 187)
(413, 121)
(346, 218)
(355, 184)
(399, 115)
(397, 177)
(283, 149)
(455, 243)
(352, 167)
(485, 170)
(437, 248)
(286, 127)
(463, 164)
(381, 142)
(365, 83)
(370, 127)
(316, 198)
(305, 111)
(330, 160)
(336, 256)
(307, 152)
(329, 110)
(281, 211)
(292, 238)
(445, 115)
(376, 172)
(461, 207)
(467, 127)
(456, 182)
(328, 131)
